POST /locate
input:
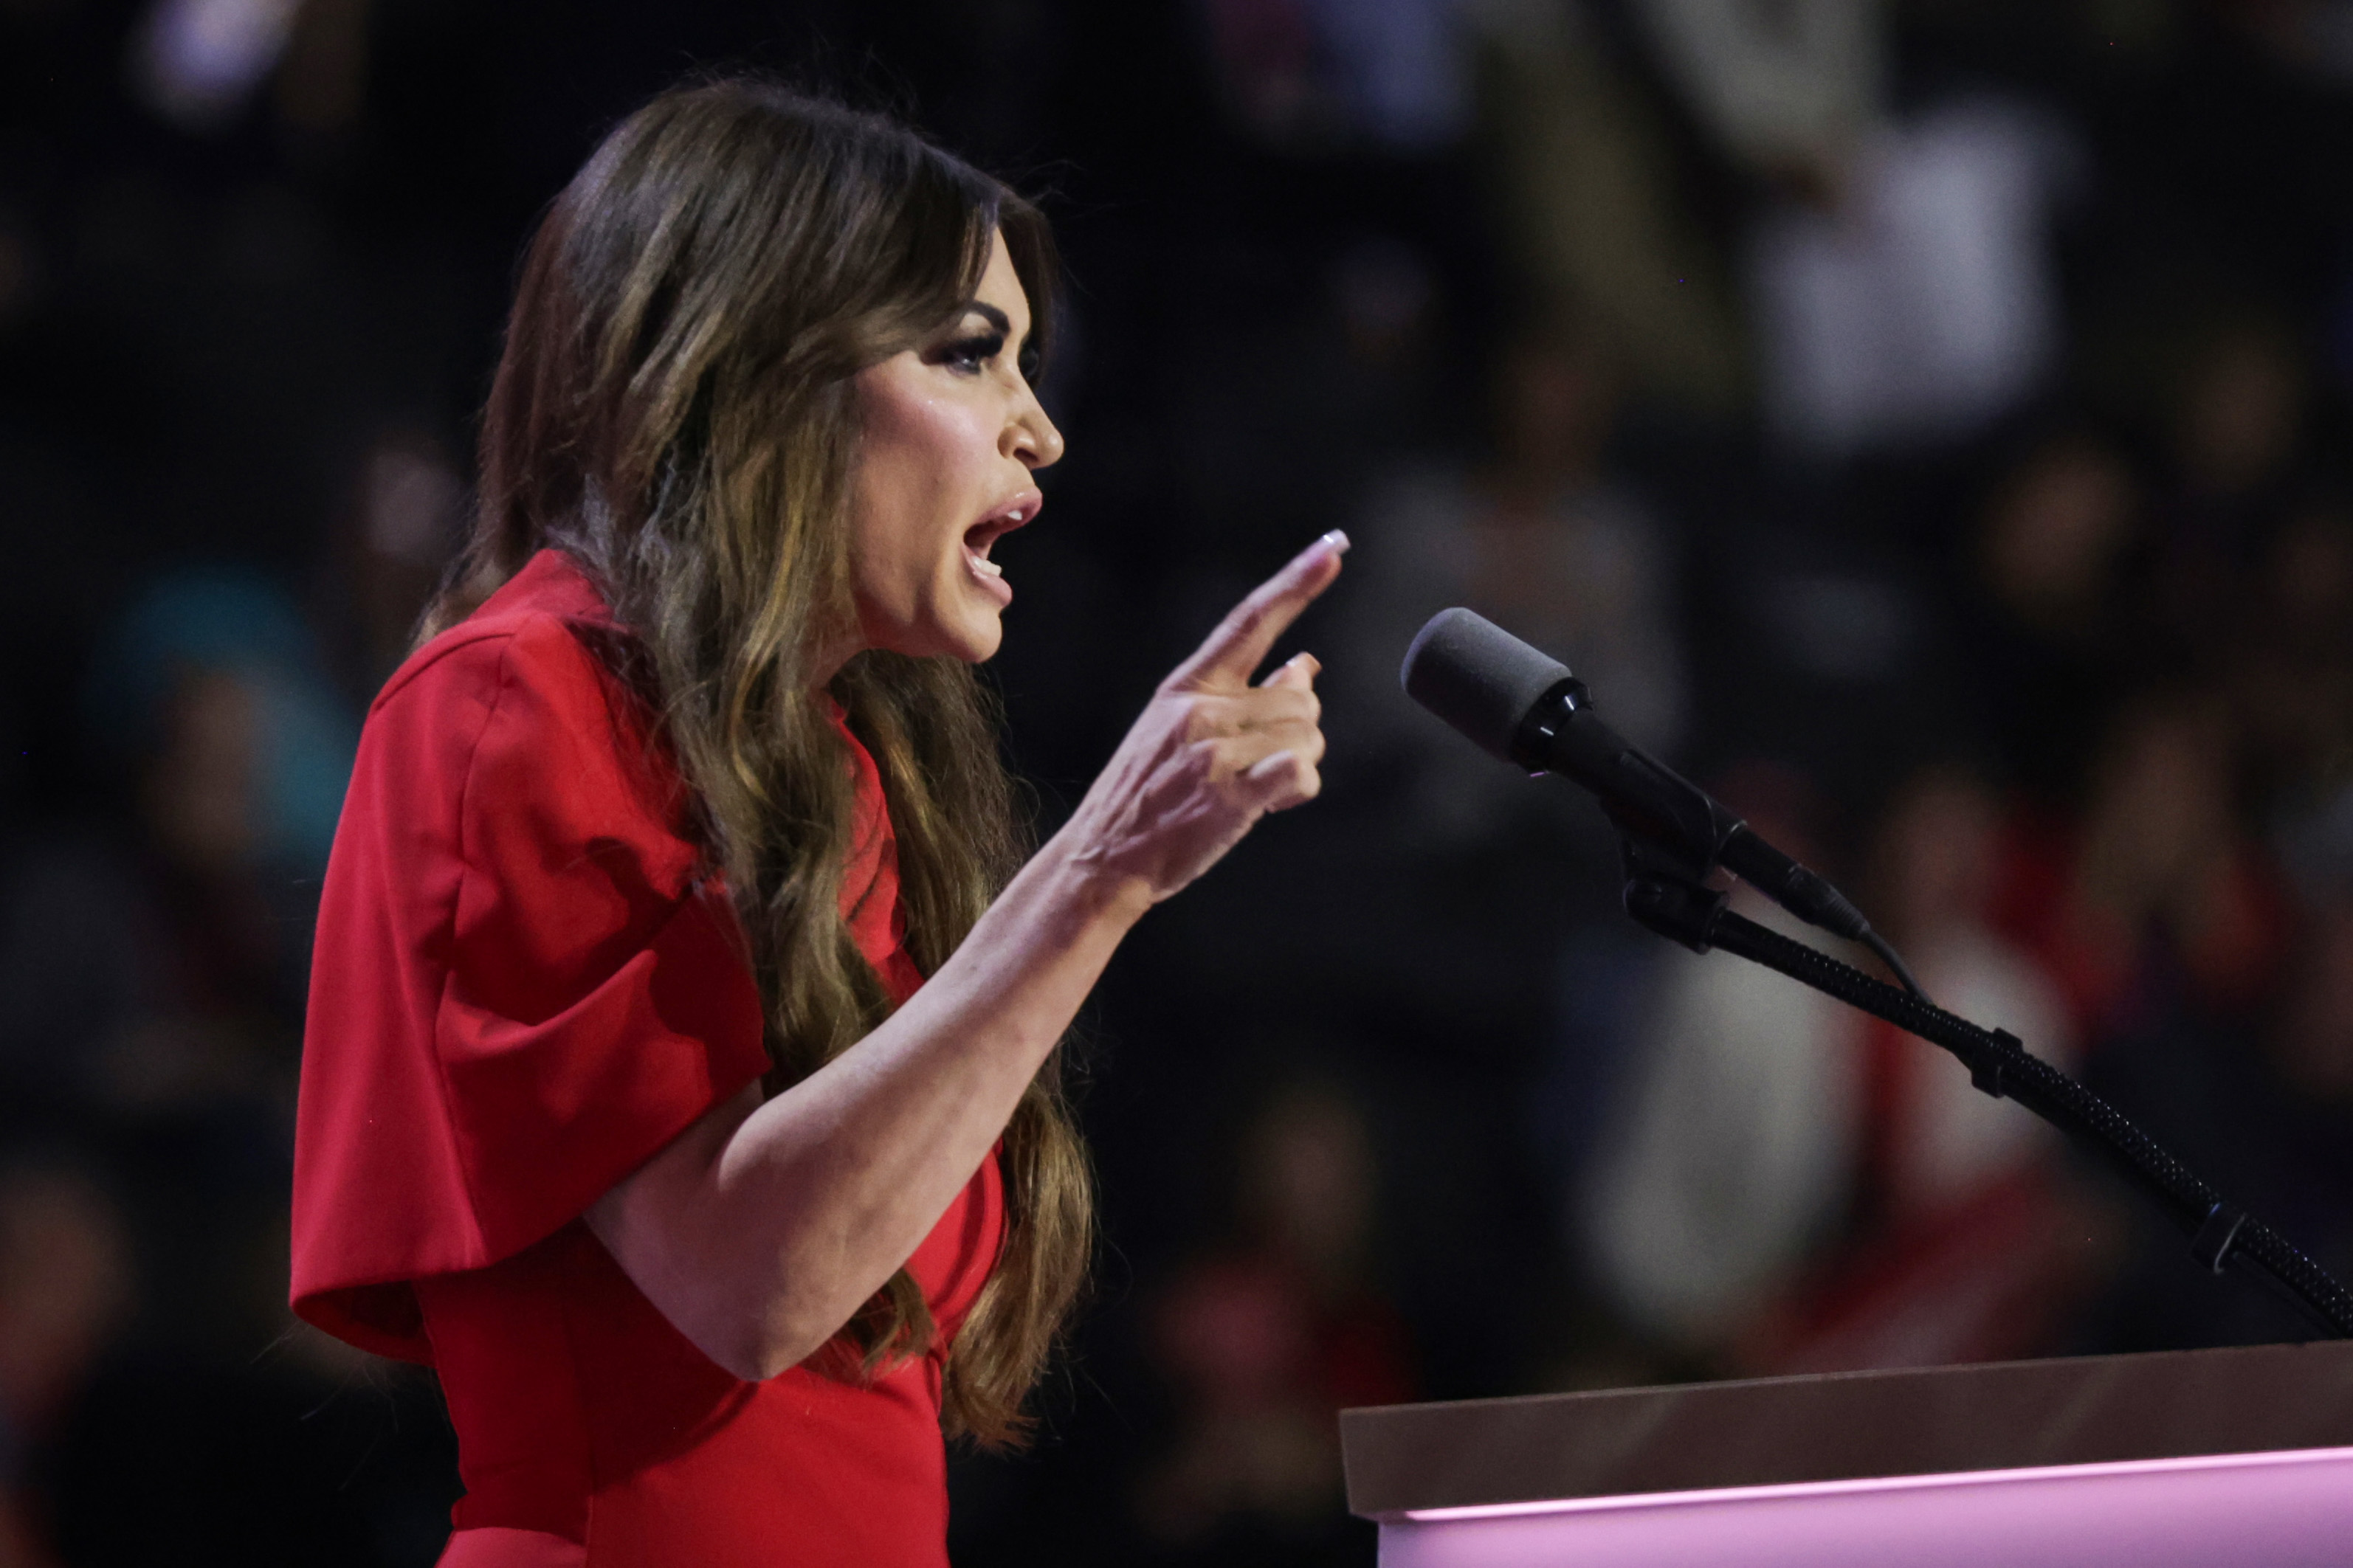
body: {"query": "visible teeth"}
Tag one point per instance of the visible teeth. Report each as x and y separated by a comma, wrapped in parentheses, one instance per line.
(981, 563)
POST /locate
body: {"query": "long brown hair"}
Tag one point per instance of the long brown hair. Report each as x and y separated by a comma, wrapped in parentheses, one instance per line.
(674, 409)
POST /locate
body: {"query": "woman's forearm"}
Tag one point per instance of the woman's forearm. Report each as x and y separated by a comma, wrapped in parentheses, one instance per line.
(764, 1227)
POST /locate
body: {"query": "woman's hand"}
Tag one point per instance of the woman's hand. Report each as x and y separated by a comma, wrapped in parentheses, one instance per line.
(759, 1230)
(1211, 754)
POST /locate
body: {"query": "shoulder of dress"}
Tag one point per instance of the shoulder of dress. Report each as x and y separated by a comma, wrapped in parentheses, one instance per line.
(539, 646)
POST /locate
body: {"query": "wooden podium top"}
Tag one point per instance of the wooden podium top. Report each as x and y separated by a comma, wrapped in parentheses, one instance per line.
(1848, 1426)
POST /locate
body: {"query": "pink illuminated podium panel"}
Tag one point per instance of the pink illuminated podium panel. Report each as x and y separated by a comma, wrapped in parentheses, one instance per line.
(2195, 1458)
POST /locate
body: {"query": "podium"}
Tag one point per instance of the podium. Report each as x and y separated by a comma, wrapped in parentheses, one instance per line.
(2180, 1459)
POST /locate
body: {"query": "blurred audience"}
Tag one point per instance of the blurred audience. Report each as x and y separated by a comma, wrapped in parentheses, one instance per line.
(2237, 448)
(2051, 629)
(1964, 1238)
(1866, 386)
(1268, 1334)
(1905, 296)
(1794, 1186)
(1727, 1160)
(165, 966)
(66, 1288)
(1591, 209)
(406, 514)
(2248, 1089)
(2156, 869)
(1898, 263)
(1307, 74)
(1548, 539)
(2291, 673)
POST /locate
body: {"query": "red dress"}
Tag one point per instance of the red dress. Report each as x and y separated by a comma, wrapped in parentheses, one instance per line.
(520, 992)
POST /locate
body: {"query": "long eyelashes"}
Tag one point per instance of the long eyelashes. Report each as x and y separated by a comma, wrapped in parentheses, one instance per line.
(969, 354)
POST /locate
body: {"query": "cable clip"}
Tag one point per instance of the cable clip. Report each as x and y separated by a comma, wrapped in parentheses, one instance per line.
(2211, 1246)
(1985, 1070)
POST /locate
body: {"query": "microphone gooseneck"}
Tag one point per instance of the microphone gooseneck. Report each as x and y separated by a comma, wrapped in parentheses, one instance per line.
(1525, 708)
(1528, 709)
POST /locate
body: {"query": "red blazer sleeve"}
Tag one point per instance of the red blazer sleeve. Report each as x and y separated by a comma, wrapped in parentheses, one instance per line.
(520, 990)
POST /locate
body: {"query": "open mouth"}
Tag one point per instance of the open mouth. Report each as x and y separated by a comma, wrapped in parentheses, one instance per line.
(983, 535)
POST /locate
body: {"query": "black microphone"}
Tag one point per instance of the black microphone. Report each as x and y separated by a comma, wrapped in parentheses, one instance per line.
(1529, 711)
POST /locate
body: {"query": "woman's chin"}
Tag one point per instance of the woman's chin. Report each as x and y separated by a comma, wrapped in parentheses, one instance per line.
(970, 631)
(982, 639)
(972, 637)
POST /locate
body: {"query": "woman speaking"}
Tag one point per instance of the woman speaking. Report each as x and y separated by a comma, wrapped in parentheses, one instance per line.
(679, 1073)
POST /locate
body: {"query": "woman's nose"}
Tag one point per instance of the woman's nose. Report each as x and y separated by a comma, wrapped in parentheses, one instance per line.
(1033, 438)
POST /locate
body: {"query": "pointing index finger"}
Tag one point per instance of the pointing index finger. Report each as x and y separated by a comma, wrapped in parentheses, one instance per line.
(1240, 642)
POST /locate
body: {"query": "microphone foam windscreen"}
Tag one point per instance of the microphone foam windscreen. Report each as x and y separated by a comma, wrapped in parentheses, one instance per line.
(1478, 677)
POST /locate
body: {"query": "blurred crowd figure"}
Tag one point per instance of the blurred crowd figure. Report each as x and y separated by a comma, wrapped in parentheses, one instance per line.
(1923, 423)
(1542, 536)
(1267, 1334)
(1797, 1187)
(153, 960)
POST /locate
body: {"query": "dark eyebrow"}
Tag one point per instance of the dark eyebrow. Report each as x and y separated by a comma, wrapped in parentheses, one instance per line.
(1003, 326)
(994, 317)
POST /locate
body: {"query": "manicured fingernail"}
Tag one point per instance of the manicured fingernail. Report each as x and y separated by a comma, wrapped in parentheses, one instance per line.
(1336, 541)
(1268, 766)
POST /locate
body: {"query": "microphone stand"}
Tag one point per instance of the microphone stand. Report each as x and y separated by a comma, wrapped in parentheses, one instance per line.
(1663, 893)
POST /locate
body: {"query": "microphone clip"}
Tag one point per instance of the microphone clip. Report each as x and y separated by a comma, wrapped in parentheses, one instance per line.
(1664, 894)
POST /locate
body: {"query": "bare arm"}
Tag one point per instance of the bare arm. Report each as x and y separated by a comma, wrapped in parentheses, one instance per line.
(764, 1226)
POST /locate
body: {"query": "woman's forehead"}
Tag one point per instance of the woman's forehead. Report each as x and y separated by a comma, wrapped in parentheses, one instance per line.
(1000, 285)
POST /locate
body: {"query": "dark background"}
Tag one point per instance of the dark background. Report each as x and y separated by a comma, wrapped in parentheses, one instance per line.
(1923, 423)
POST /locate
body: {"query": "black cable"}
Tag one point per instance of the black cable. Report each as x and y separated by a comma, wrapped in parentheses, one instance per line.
(1894, 961)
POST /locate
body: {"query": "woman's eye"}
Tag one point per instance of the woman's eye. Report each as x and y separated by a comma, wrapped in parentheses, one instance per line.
(969, 354)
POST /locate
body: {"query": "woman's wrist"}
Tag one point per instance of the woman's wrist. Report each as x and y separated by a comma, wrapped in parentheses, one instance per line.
(1089, 886)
